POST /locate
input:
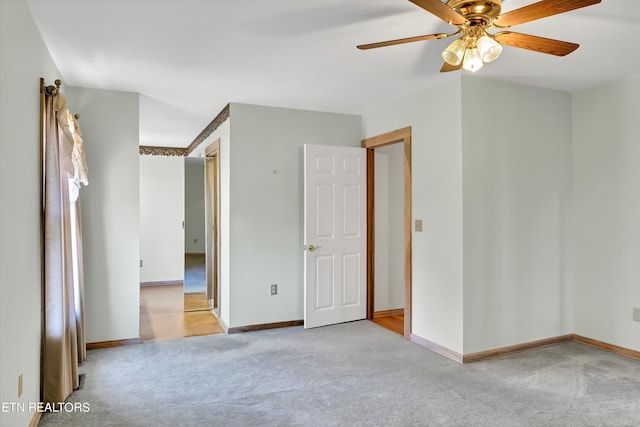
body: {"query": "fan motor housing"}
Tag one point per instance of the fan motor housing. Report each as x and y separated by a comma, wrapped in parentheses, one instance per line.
(479, 12)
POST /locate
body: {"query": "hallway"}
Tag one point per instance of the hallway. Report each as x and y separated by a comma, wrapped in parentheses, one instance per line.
(162, 315)
(195, 282)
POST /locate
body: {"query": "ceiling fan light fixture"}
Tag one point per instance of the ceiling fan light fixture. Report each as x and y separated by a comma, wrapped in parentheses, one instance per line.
(454, 53)
(472, 60)
(474, 18)
(488, 48)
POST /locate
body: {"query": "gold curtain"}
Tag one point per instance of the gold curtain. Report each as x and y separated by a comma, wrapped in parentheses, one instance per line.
(63, 343)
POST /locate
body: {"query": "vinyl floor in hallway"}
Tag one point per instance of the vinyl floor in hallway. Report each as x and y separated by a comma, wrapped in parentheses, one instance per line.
(393, 323)
(162, 315)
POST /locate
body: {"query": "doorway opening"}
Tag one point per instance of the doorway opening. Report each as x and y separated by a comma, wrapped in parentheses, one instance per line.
(195, 283)
(389, 318)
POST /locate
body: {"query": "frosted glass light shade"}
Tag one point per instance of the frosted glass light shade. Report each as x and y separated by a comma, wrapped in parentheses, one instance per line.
(454, 53)
(472, 60)
(489, 49)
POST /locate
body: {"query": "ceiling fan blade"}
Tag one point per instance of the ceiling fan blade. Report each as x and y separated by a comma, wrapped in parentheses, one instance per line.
(402, 41)
(446, 67)
(538, 44)
(538, 10)
(441, 10)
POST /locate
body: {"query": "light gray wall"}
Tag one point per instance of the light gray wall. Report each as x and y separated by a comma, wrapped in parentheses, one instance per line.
(606, 187)
(266, 228)
(162, 206)
(516, 201)
(389, 227)
(435, 117)
(194, 208)
(110, 212)
(536, 263)
(25, 59)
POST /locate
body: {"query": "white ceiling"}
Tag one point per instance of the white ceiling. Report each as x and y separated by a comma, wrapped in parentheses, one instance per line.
(189, 58)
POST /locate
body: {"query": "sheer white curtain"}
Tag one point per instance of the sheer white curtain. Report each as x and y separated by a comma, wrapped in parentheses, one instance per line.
(64, 168)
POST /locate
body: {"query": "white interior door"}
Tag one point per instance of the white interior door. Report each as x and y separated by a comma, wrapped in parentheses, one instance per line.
(334, 234)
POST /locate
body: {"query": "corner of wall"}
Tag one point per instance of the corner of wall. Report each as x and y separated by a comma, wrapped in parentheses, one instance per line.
(517, 206)
(606, 208)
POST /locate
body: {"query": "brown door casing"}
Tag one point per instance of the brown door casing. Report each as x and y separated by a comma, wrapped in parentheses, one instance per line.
(400, 136)
(212, 153)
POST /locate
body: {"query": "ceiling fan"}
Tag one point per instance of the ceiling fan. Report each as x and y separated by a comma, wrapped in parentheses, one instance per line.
(476, 46)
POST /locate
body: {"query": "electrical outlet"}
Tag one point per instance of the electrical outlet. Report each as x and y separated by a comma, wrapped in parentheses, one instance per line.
(195, 241)
(140, 263)
(20, 385)
(636, 314)
(274, 289)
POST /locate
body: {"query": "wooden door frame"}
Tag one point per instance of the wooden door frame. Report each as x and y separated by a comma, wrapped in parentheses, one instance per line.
(213, 150)
(402, 136)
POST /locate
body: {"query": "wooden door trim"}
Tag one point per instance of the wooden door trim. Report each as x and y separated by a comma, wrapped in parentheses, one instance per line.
(402, 136)
(213, 150)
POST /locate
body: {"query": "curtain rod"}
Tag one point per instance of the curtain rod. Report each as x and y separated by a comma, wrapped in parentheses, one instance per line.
(53, 90)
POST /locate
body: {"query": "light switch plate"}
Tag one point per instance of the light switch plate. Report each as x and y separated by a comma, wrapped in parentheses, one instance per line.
(636, 314)
(419, 225)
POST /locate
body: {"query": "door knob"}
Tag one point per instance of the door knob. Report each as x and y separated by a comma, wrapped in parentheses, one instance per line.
(312, 248)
